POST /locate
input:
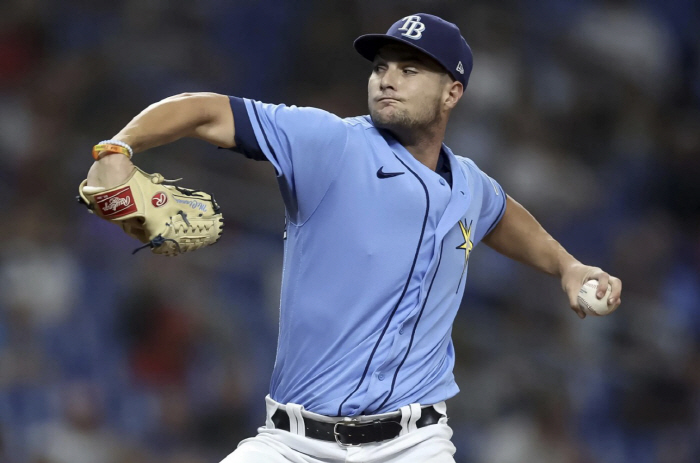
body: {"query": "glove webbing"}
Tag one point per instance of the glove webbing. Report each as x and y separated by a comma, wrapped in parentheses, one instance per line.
(156, 242)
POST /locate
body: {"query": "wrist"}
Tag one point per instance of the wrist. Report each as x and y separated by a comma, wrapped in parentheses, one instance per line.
(566, 262)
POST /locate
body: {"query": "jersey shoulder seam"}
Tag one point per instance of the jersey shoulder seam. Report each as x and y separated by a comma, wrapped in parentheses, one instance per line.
(358, 120)
(466, 165)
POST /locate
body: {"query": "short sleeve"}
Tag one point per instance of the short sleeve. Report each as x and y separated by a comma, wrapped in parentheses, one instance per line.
(493, 202)
(305, 146)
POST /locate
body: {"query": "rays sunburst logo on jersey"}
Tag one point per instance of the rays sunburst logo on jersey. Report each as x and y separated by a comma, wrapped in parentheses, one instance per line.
(468, 245)
(467, 235)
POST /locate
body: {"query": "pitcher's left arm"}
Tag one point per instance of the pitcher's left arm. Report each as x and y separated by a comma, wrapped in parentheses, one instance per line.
(519, 236)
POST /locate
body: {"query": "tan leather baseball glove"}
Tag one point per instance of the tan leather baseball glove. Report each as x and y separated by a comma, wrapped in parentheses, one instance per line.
(167, 218)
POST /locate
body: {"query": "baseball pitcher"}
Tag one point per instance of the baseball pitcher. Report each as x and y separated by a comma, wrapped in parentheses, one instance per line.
(382, 218)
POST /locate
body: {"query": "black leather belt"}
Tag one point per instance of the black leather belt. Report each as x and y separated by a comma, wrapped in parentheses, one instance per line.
(349, 432)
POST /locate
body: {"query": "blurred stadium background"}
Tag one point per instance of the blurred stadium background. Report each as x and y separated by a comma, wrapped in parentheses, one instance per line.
(587, 111)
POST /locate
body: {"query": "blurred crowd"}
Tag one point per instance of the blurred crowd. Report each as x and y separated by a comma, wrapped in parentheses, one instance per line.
(586, 111)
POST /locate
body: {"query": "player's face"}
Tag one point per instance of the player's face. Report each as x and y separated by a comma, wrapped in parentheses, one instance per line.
(406, 89)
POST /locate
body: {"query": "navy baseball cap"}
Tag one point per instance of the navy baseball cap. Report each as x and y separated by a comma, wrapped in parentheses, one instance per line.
(437, 38)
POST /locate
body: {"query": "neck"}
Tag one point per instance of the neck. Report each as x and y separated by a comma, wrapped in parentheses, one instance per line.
(424, 145)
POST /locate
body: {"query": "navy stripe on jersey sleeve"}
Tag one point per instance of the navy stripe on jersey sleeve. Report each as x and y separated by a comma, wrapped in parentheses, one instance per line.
(246, 142)
(500, 214)
(267, 140)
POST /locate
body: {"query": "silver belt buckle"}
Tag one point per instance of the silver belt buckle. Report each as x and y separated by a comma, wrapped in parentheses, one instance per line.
(347, 421)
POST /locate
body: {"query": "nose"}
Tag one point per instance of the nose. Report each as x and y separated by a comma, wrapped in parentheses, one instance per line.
(388, 79)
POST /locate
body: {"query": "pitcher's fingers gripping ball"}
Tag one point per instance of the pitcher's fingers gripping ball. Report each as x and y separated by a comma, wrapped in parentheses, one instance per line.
(167, 218)
(590, 303)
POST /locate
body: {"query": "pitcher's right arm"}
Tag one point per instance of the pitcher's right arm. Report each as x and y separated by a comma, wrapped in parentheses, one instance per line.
(206, 116)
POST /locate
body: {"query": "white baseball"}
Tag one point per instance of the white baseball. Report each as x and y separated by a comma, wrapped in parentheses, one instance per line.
(588, 301)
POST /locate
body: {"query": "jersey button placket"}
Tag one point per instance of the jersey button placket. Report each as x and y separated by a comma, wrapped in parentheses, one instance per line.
(380, 376)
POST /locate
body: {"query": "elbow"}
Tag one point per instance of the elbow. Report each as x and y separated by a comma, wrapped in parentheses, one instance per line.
(192, 96)
(199, 105)
(182, 96)
(196, 94)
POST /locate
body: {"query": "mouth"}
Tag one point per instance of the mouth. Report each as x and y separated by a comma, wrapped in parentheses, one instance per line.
(386, 99)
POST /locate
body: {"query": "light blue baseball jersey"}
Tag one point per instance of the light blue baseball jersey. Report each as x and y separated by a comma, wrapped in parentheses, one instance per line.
(375, 259)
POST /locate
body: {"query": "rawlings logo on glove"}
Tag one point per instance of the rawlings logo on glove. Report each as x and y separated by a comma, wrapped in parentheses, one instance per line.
(159, 199)
(142, 207)
(116, 204)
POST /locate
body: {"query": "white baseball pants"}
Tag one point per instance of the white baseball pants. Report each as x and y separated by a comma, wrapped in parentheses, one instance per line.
(429, 444)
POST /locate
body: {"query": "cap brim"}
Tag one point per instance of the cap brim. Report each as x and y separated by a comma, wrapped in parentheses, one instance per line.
(368, 45)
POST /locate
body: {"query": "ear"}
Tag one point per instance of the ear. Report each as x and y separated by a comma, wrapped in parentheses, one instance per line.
(453, 92)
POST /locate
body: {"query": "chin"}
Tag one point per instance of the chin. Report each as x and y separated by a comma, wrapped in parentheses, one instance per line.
(390, 120)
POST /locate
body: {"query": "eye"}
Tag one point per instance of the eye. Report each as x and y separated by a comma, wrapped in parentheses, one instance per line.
(410, 70)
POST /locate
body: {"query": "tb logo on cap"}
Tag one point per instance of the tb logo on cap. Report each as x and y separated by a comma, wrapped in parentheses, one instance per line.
(413, 27)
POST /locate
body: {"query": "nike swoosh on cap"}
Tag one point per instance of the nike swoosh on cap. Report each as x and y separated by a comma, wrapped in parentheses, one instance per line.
(382, 174)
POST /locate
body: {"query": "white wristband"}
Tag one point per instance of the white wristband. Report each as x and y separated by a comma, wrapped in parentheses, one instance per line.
(120, 143)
